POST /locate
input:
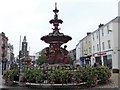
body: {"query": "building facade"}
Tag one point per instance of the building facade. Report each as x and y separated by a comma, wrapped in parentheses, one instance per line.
(37, 55)
(32, 57)
(72, 55)
(102, 46)
(10, 55)
(3, 45)
(116, 45)
(83, 50)
(78, 53)
(86, 49)
(3, 51)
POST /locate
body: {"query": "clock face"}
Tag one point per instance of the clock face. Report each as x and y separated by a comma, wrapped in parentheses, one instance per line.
(24, 44)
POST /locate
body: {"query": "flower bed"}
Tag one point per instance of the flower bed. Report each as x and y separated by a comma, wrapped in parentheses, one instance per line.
(11, 75)
(64, 75)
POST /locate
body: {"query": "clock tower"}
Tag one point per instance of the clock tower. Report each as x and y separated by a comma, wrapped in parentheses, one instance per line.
(24, 53)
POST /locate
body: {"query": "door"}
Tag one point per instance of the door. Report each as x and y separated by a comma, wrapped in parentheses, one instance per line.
(105, 60)
(98, 60)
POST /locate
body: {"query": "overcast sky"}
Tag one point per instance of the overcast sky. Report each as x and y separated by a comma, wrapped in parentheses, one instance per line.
(31, 18)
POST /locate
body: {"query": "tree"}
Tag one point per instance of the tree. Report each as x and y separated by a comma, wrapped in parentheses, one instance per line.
(70, 60)
(41, 58)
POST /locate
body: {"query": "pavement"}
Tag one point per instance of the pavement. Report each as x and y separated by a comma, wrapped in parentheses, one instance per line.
(1, 79)
(114, 82)
(2, 82)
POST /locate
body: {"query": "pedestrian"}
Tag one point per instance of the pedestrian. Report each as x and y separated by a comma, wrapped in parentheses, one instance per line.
(95, 64)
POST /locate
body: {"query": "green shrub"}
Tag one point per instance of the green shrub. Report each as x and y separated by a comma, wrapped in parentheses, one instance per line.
(10, 73)
(33, 74)
(90, 75)
(103, 73)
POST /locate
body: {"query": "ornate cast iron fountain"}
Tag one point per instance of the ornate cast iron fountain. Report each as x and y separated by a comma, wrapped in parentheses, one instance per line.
(55, 54)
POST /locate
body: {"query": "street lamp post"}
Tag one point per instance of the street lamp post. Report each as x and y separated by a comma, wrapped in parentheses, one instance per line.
(19, 62)
(19, 55)
(100, 47)
(100, 43)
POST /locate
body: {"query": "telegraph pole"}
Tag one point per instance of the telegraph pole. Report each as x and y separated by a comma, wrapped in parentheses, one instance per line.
(19, 54)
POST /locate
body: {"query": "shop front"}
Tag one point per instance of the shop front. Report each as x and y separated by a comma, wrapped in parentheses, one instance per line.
(87, 60)
(82, 61)
(107, 59)
(98, 60)
(104, 58)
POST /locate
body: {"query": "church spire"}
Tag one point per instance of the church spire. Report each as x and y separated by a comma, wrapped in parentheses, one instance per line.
(24, 40)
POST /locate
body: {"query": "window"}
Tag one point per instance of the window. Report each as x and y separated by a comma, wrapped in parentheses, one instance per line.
(97, 34)
(93, 37)
(109, 45)
(93, 48)
(89, 49)
(86, 40)
(108, 29)
(102, 32)
(89, 42)
(97, 47)
(103, 46)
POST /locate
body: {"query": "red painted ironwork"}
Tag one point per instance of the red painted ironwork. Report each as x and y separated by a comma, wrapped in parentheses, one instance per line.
(55, 53)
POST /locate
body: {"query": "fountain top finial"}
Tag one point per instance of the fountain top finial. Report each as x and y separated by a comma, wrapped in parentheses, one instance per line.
(56, 21)
(56, 10)
(55, 5)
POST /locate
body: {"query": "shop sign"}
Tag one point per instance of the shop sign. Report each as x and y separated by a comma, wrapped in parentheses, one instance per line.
(102, 53)
(85, 52)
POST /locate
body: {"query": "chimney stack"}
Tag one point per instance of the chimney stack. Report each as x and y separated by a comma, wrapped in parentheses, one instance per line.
(88, 33)
(101, 25)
